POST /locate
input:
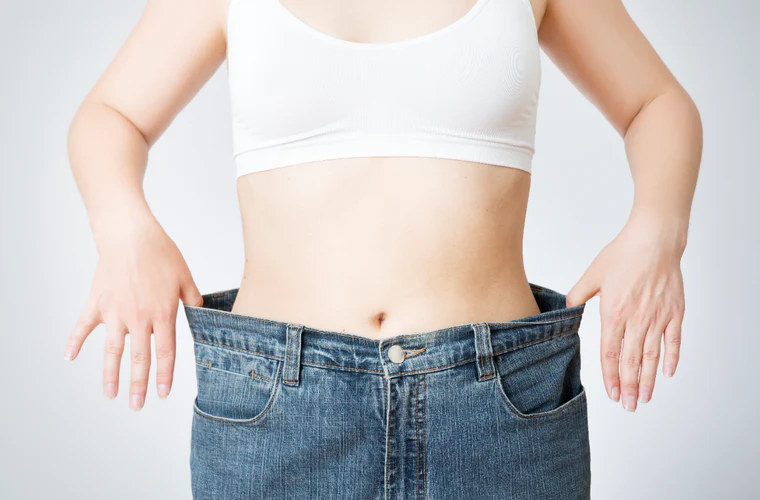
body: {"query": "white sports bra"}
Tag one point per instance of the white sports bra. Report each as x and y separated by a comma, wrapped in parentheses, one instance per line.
(467, 92)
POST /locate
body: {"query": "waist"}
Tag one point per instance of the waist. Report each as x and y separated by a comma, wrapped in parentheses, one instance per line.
(384, 246)
(431, 350)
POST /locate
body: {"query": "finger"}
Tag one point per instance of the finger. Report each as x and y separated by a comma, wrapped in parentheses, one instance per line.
(613, 329)
(164, 338)
(86, 323)
(672, 346)
(630, 362)
(116, 331)
(189, 294)
(584, 289)
(649, 362)
(139, 347)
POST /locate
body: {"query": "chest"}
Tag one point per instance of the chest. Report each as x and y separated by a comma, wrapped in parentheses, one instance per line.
(307, 68)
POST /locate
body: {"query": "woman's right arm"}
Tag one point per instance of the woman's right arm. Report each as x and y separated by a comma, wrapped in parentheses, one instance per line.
(175, 48)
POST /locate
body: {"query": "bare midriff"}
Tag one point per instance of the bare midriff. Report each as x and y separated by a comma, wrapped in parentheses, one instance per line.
(383, 246)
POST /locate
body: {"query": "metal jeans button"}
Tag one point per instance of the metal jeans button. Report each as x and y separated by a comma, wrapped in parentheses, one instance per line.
(397, 354)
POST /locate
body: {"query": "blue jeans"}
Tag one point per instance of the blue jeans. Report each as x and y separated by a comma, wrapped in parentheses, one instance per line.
(478, 410)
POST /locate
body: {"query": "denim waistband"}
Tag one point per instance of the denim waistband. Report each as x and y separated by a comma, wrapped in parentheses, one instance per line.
(213, 323)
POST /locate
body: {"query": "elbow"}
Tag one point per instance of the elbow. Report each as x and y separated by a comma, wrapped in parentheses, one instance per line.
(673, 101)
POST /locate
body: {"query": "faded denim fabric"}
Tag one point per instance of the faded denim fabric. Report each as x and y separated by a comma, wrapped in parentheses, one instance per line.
(472, 411)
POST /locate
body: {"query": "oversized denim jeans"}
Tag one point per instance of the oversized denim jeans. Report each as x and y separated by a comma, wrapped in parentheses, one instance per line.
(473, 411)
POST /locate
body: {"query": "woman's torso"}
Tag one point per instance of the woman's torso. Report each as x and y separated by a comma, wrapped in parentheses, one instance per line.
(379, 246)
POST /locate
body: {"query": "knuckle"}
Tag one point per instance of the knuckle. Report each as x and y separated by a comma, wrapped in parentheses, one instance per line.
(652, 354)
(611, 354)
(140, 358)
(136, 319)
(678, 306)
(617, 312)
(632, 360)
(640, 315)
(112, 348)
(165, 352)
(162, 315)
(102, 302)
(629, 387)
(85, 322)
(674, 340)
(138, 385)
(141, 316)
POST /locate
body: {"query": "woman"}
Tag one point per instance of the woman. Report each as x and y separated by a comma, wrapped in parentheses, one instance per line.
(384, 341)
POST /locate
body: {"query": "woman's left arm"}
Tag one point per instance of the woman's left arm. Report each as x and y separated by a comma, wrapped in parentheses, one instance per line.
(637, 276)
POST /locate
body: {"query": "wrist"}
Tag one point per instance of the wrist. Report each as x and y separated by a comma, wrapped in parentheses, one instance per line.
(666, 230)
(120, 220)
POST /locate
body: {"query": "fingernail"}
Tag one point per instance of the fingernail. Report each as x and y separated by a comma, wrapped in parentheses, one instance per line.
(630, 403)
(644, 394)
(110, 390)
(136, 402)
(669, 370)
(69, 354)
(163, 391)
(615, 394)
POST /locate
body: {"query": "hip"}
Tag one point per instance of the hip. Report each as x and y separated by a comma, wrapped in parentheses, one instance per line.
(490, 409)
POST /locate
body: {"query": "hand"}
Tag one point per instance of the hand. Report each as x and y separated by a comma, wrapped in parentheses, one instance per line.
(139, 280)
(639, 281)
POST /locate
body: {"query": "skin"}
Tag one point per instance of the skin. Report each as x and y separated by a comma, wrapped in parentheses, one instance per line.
(347, 252)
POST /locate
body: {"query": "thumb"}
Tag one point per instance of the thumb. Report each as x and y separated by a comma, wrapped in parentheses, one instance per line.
(586, 288)
(189, 294)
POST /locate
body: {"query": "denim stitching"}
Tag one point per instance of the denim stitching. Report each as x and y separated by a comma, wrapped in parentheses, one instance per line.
(560, 409)
(291, 368)
(255, 419)
(208, 366)
(387, 434)
(417, 431)
(497, 353)
(200, 361)
(344, 368)
(431, 369)
(424, 437)
(296, 355)
(479, 331)
(497, 324)
(422, 442)
(289, 356)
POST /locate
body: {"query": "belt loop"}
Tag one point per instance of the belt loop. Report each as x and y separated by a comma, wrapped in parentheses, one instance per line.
(292, 364)
(483, 351)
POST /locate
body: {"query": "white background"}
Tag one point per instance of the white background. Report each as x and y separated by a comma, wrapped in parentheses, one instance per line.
(61, 438)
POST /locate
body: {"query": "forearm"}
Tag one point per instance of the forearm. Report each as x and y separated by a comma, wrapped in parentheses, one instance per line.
(108, 157)
(664, 148)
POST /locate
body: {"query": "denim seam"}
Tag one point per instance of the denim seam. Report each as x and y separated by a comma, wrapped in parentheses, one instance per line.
(496, 353)
(280, 358)
(255, 419)
(344, 368)
(498, 324)
(417, 431)
(481, 337)
(422, 440)
(560, 410)
(250, 375)
(387, 433)
(380, 372)
(288, 355)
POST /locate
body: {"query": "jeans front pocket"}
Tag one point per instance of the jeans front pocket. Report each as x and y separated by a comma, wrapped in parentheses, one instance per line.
(234, 386)
(541, 379)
